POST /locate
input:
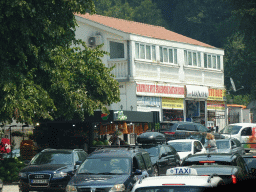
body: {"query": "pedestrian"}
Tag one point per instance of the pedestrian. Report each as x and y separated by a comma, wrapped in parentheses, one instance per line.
(210, 143)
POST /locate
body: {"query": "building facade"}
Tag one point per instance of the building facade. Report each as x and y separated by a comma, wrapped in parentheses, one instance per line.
(159, 70)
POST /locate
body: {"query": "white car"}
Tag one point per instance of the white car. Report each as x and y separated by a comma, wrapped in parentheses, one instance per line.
(178, 179)
(184, 147)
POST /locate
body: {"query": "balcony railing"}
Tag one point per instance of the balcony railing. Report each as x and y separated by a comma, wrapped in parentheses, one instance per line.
(121, 69)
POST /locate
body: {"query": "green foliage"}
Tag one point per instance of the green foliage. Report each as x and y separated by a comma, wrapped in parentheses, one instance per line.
(41, 77)
(9, 169)
(17, 133)
(239, 99)
(144, 11)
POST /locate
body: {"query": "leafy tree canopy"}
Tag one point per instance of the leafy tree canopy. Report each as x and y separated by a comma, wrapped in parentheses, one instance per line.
(42, 76)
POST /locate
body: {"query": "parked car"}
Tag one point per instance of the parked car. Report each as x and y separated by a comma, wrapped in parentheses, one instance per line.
(185, 130)
(51, 169)
(179, 179)
(1, 185)
(163, 156)
(111, 169)
(244, 132)
(230, 145)
(230, 167)
(185, 147)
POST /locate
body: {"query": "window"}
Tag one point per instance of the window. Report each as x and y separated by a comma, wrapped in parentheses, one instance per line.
(144, 51)
(192, 58)
(211, 61)
(168, 55)
(116, 50)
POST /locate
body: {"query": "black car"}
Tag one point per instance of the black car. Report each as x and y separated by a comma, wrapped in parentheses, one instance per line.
(111, 169)
(231, 167)
(51, 169)
(1, 185)
(163, 156)
(184, 130)
(250, 160)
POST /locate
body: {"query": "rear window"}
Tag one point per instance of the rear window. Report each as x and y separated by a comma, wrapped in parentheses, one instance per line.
(171, 127)
(189, 163)
(231, 129)
(223, 144)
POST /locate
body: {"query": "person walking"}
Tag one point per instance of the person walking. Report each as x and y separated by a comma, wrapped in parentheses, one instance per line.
(210, 143)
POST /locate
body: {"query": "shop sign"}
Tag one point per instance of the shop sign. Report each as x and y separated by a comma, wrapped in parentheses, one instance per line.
(148, 101)
(160, 90)
(217, 94)
(216, 105)
(172, 103)
(196, 92)
(119, 116)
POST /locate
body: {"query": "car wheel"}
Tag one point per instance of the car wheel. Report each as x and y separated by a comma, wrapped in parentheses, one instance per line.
(155, 171)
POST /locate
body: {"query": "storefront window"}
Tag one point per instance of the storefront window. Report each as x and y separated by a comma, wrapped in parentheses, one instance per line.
(172, 115)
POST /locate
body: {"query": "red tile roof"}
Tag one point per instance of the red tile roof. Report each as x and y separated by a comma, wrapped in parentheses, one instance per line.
(142, 29)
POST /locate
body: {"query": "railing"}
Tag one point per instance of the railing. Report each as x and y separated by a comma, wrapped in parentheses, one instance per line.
(121, 69)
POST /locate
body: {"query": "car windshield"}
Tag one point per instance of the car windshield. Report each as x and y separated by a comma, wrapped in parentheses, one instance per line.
(52, 157)
(181, 146)
(171, 188)
(231, 129)
(152, 150)
(105, 166)
(222, 144)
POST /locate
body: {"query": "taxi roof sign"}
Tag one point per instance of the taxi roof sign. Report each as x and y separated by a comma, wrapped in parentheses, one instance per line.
(181, 171)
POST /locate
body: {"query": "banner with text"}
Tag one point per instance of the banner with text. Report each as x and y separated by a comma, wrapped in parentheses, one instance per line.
(216, 105)
(172, 103)
(157, 90)
(217, 94)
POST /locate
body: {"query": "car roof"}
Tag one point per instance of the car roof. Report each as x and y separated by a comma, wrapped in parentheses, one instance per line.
(182, 140)
(244, 124)
(215, 169)
(61, 150)
(160, 180)
(116, 152)
(227, 157)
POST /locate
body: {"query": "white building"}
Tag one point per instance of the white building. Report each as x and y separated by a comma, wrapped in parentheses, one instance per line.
(159, 70)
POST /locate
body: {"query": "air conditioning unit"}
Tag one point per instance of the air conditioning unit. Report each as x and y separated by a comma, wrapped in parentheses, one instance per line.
(95, 40)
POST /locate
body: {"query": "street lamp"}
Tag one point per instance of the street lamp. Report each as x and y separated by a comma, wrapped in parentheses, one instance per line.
(26, 125)
(10, 127)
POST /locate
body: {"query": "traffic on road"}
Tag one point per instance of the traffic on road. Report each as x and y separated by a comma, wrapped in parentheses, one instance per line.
(153, 164)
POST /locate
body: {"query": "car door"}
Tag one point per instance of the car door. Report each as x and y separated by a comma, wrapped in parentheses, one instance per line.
(198, 147)
(170, 156)
(163, 161)
(245, 134)
(148, 163)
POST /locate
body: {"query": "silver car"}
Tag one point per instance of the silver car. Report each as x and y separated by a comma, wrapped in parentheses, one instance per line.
(230, 145)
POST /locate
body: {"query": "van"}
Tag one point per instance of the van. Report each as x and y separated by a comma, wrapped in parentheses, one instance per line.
(244, 132)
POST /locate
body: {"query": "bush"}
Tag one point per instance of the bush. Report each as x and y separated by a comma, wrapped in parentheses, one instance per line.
(9, 169)
(17, 133)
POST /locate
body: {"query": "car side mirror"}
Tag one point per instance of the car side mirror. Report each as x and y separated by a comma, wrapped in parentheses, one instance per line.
(77, 164)
(138, 172)
(26, 162)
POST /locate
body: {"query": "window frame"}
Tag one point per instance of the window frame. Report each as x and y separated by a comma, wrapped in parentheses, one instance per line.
(163, 58)
(194, 61)
(212, 61)
(152, 51)
(125, 50)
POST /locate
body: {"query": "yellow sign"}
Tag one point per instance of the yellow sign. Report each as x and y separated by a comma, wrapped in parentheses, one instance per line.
(172, 103)
(217, 94)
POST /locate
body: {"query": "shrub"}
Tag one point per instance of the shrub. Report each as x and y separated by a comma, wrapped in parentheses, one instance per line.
(9, 169)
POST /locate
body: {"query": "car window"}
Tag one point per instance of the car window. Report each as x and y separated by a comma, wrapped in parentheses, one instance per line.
(147, 160)
(241, 163)
(167, 150)
(197, 145)
(181, 146)
(52, 157)
(201, 128)
(190, 127)
(222, 144)
(233, 144)
(162, 151)
(82, 156)
(76, 158)
(231, 129)
(246, 131)
(140, 161)
(181, 127)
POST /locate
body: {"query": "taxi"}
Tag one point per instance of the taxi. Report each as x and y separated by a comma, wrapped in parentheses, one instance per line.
(176, 180)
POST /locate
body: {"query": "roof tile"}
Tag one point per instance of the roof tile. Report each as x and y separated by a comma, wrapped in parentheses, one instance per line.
(142, 29)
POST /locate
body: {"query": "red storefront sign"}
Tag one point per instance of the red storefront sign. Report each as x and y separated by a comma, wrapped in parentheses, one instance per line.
(158, 89)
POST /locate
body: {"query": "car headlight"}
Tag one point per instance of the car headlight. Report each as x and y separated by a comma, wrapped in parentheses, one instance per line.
(71, 188)
(117, 187)
(22, 175)
(59, 175)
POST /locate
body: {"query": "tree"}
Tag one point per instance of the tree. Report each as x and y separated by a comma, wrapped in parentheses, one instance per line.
(41, 76)
(144, 11)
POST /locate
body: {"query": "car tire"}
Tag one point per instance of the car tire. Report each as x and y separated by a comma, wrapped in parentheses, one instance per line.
(155, 171)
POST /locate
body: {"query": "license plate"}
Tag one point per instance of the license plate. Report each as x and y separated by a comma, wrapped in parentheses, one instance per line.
(39, 181)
